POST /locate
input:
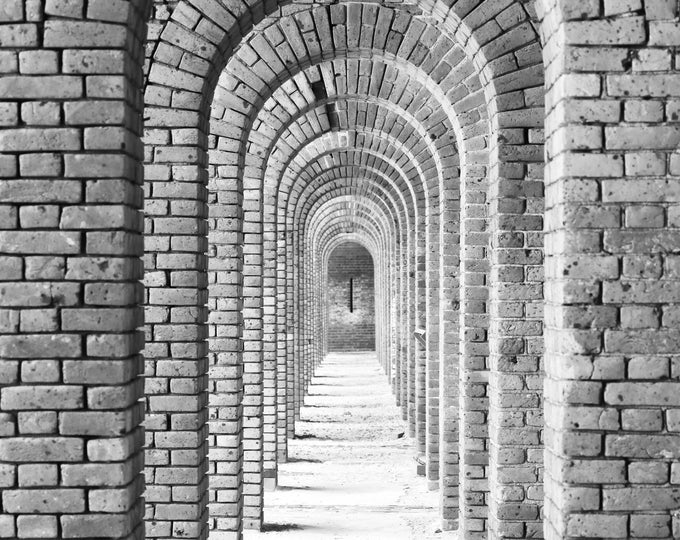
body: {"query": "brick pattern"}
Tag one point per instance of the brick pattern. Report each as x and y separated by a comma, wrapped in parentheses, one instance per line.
(611, 441)
(449, 345)
(350, 328)
(273, 135)
(70, 269)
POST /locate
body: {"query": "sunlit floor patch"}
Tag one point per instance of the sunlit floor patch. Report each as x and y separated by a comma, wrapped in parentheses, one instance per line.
(351, 473)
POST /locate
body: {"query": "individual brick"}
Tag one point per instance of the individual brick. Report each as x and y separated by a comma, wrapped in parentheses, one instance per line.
(37, 422)
(65, 8)
(38, 62)
(39, 217)
(41, 397)
(32, 526)
(31, 501)
(64, 34)
(38, 475)
(45, 113)
(40, 370)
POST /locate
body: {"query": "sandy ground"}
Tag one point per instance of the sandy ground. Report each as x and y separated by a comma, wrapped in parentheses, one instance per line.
(350, 475)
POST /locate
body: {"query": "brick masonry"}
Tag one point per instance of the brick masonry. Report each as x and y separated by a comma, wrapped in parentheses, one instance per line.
(350, 299)
(176, 176)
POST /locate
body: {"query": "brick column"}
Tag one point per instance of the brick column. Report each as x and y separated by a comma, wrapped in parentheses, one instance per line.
(516, 307)
(270, 350)
(252, 359)
(449, 355)
(291, 342)
(474, 351)
(176, 353)
(432, 399)
(612, 338)
(70, 247)
(412, 349)
(282, 371)
(406, 330)
(226, 350)
(420, 350)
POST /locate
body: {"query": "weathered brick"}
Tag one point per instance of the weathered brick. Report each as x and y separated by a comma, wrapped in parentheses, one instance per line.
(41, 397)
(37, 526)
(66, 34)
(44, 501)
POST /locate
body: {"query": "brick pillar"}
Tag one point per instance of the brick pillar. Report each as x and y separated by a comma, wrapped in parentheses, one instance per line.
(397, 297)
(70, 247)
(449, 355)
(420, 350)
(394, 315)
(516, 335)
(252, 359)
(291, 331)
(432, 336)
(412, 350)
(226, 350)
(176, 353)
(404, 327)
(296, 323)
(474, 350)
(612, 338)
(282, 393)
(405, 330)
(516, 341)
(270, 349)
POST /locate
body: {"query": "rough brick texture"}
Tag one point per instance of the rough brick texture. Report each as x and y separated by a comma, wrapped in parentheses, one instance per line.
(70, 269)
(350, 299)
(509, 169)
(611, 345)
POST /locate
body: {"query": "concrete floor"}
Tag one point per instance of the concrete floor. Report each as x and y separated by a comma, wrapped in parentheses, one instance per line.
(351, 472)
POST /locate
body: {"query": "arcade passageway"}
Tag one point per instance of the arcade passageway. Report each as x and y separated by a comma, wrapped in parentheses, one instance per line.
(202, 200)
(350, 473)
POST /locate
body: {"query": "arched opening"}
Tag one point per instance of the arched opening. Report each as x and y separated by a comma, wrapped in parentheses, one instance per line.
(350, 299)
(511, 167)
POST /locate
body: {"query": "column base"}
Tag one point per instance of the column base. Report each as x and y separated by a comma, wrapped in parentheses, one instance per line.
(269, 479)
(420, 465)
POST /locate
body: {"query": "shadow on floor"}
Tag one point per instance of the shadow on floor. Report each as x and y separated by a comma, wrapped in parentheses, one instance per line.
(300, 488)
(302, 436)
(303, 460)
(281, 527)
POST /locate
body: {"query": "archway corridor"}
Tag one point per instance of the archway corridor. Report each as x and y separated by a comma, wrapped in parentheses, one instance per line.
(176, 177)
(351, 472)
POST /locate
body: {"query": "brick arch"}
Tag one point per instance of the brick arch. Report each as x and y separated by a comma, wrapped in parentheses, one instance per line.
(177, 196)
(472, 321)
(406, 402)
(285, 190)
(327, 204)
(334, 210)
(422, 360)
(255, 219)
(476, 325)
(291, 224)
(407, 242)
(338, 237)
(370, 194)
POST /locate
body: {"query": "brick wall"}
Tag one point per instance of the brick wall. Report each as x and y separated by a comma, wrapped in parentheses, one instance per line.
(611, 389)
(70, 269)
(351, 330)
(414, 129)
